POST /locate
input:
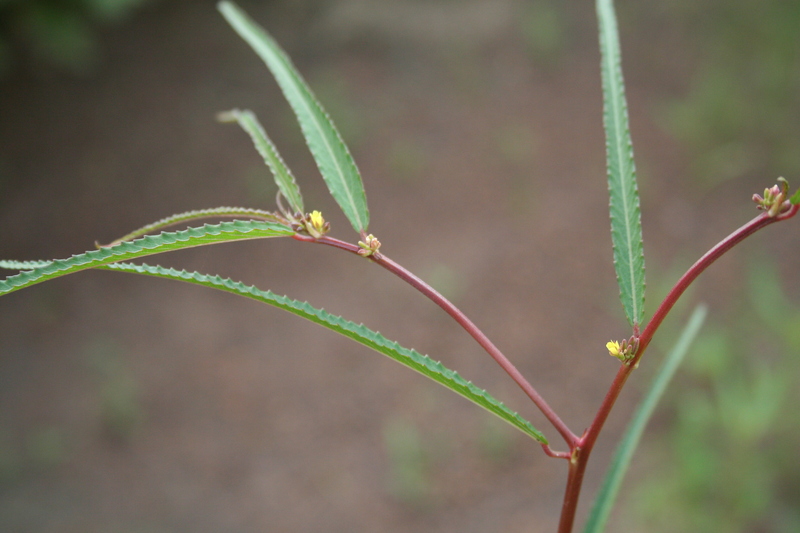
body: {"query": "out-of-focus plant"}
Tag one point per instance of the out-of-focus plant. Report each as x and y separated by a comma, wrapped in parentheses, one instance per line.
(739, 115)
(59, 34)
(293, 219)
(731, 447)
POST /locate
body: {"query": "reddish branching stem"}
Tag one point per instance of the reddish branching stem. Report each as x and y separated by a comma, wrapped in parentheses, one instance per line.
(569, 437)
(586, 443)
(579, 447)
(761, 221)
(577, 467)
(554, 454)
(485, 343)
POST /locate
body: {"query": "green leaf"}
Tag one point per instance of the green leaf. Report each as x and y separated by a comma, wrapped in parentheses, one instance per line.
(795, 199)
(358, 332)
(331, 154)
(22, 265)
(626, 224)
(152, 244)
(607, 495)
(188, 216)
(283, 176)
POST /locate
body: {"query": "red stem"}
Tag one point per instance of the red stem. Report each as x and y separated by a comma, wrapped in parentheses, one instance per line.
(580, 448)
(586, 443)
(485, 343)
(577, 467)
(704, 262)
(465, 323)
(554, 454)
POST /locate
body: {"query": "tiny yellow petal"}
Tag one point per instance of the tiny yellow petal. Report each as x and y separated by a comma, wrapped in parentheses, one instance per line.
(613, 348)
(316, 220)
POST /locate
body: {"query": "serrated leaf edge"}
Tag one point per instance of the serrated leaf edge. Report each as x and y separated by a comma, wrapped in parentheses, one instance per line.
(284, 178)
(10, 264)
(615, 116)
(352, 202)
(148, 245)
(197, 214)
(358, 332)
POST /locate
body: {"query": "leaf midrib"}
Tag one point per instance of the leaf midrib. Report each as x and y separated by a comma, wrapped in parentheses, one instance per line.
(615, 82)
(296, 87)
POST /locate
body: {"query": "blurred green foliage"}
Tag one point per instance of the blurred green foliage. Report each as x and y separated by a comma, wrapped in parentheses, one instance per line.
(740, 115)
(408, 478)
(120, 408)
(46, 447)
(542, 25)
(56, 34)
(730, 458)
(35, 450)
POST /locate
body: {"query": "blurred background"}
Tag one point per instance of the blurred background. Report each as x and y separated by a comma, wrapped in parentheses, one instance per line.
(139, 405)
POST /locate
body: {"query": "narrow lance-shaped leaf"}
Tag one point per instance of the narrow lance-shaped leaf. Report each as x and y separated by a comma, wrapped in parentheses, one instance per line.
(331, 154)
(22, 265)
(198, 214)
(626, 225)
(607, 495)
(152, 244)
(357, 332)
(283, 176)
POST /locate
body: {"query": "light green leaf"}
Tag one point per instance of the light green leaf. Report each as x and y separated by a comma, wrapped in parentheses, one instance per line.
(795, 199)
(22, 265)
(189, 216)
(358, 332)
(152, 244)
(607, 495)
(626, 224)
(331, 154)
(283, 176)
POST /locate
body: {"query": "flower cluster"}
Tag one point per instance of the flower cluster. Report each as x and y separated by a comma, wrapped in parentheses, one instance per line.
(773, 200)
(369, 246)
(313, 224)
(625, 351)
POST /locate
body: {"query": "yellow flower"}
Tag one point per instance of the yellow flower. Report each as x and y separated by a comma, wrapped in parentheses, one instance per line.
(317, 222)
(614, 348)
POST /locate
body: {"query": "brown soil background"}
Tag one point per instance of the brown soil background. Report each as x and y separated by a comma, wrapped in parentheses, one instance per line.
(136, 405)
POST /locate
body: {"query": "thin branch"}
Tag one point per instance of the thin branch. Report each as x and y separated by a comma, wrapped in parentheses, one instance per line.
(569, 437)
(554, 454)
(586, 443)
(485, 343)
(761, 221)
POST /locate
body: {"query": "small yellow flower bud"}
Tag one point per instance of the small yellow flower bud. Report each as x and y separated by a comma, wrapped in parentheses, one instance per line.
(313, 224)
(317, 222)
(614, 348)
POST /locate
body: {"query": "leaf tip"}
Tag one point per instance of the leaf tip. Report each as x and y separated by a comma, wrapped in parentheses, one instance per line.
(227, 116)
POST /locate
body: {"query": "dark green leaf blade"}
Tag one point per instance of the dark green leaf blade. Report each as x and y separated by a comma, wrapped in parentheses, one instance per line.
(626, 225)
(357, 332)
(152, 244)
(283, 176)
(331, 154)
(601, 509)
